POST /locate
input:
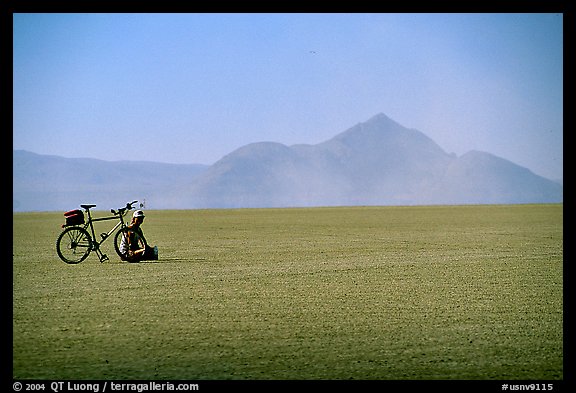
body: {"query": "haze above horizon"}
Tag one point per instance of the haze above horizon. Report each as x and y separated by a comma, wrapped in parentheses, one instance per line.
(191, 88)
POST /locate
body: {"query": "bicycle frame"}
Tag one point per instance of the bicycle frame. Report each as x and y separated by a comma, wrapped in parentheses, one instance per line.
(105, 235)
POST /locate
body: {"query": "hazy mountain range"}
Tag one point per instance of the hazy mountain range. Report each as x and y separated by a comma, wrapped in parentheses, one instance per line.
(44, 183)
(378, 162)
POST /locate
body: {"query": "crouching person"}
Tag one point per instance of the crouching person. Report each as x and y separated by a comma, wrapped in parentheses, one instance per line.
(133, 245)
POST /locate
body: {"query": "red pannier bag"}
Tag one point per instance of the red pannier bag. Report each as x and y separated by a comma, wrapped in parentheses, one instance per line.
(74, 217)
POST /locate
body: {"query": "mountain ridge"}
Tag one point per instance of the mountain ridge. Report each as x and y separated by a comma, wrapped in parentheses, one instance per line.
(376, 162)
(49, 182)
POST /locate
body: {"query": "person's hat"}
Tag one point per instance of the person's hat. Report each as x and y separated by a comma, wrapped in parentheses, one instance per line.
(138, 213)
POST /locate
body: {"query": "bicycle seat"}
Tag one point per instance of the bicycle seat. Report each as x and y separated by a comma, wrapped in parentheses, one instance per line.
(87, 206)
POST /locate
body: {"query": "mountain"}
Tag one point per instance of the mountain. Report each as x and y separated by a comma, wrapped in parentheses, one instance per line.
(43, 182)
(377, 162)
(479, 177)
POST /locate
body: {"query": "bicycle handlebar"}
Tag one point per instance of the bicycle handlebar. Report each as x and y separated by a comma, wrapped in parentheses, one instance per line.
(123, 209)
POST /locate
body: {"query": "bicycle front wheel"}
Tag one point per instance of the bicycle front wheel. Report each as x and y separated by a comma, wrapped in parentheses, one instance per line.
(122, 238)
(74, 245)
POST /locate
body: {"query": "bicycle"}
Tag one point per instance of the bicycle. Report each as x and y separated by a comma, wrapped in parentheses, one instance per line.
(75, 242)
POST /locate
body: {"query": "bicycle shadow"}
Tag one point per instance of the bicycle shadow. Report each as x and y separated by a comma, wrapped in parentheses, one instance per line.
(167, 260)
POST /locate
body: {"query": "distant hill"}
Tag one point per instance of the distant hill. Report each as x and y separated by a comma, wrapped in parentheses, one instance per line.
(378, 162)
(44, 183)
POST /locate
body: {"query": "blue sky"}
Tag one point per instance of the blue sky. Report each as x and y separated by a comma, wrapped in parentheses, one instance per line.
(190, 88)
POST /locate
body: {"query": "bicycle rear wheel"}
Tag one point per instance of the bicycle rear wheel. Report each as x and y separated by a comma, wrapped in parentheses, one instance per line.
(74, 245)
